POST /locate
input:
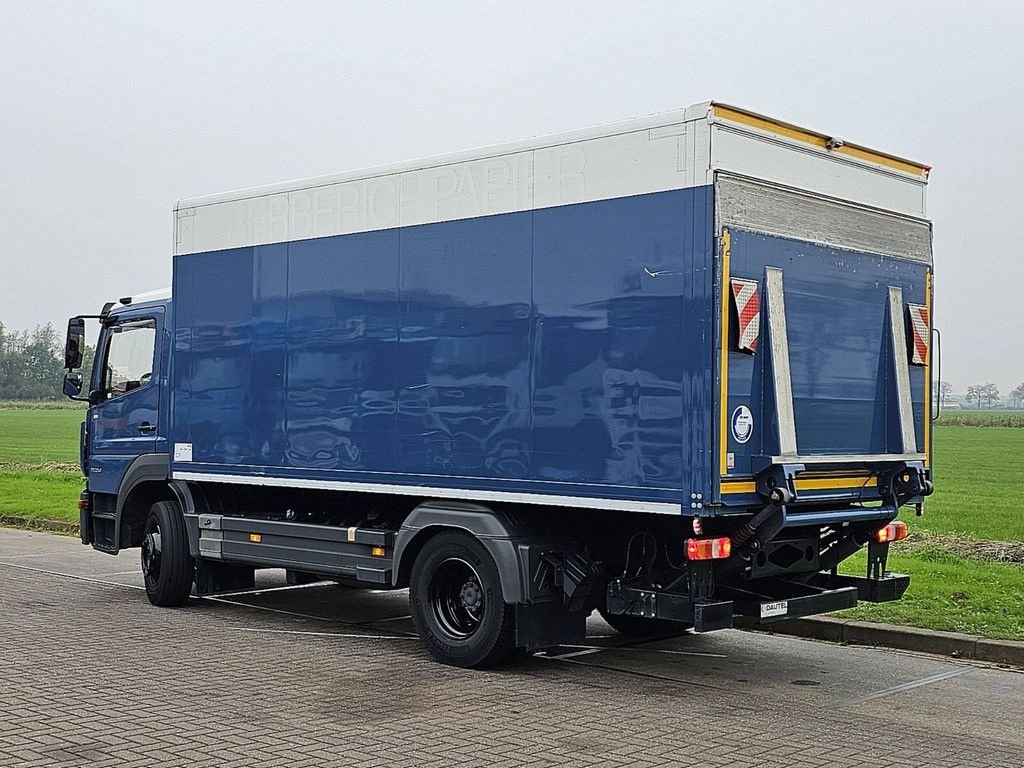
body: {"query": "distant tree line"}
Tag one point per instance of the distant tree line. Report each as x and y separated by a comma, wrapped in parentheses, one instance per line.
(1017, 396)
(987, 393)
(32, 363)
(982, 395)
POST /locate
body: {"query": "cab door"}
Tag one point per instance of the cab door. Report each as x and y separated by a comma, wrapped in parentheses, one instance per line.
(124, 422)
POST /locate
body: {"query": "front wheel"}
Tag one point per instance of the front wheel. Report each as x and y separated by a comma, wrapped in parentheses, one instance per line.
(457, 605)
(167, 567)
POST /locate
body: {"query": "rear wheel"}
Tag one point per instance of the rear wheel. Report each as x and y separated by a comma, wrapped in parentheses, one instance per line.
(457, 605)
(167, 567)
(638, 626)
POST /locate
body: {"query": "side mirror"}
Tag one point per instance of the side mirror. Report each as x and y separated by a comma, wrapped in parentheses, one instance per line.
(74, 348)
(72, 384)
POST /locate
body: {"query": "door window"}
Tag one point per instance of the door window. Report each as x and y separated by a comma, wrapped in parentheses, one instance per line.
(129, 360)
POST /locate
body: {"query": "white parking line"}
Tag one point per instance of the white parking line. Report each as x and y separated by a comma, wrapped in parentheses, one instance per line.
(572, 654)
(121, 585)
(569, 658)
(323, 634)
(641, 649)
(283, 588)
(240, 604)
(89, 579)
(904, 687)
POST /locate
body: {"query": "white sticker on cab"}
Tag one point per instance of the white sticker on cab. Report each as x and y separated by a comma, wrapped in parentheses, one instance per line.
(183, 451)
(778, 608)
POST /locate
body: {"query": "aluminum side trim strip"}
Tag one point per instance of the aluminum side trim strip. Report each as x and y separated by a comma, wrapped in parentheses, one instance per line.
(847, 458)
(649, 507)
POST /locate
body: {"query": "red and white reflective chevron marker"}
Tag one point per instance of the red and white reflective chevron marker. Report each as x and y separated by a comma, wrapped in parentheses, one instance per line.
(919, 333)
(747, 295)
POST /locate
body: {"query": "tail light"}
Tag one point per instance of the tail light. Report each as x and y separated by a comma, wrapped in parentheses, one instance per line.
(894, 531)
(708, 549)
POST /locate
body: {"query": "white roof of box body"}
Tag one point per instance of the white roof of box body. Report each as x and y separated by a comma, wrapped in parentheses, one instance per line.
(673, 150)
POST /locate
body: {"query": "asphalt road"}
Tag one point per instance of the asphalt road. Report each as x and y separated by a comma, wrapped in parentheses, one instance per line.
(92, 675)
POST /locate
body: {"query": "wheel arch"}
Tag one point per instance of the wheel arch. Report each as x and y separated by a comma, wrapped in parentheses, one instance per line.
(496, 531)
(192, 502)
(144, 484)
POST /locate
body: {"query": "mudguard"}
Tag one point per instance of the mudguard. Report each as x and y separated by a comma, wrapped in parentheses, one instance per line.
(499, 532)
(147, 467)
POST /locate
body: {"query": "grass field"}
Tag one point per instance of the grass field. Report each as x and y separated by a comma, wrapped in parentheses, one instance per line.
(949, 593)
(979, 484)
(979, 480)
(40, 494)
(979, 494)
(39, 474)
(39, 436)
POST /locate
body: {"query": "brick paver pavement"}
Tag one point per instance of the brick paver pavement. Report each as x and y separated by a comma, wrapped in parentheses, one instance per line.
(91, 675)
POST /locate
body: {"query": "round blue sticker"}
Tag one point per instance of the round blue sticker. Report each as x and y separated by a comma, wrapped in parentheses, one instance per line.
(742, 424)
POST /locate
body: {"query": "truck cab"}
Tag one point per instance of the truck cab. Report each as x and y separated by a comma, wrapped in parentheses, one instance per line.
(123, 451)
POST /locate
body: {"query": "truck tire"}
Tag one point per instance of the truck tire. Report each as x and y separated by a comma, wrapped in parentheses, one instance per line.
(457, 605)
(638, 626)
(167, 566)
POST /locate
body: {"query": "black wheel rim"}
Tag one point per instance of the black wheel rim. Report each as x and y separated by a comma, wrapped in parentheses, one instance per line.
(151, 552)
(457, 598)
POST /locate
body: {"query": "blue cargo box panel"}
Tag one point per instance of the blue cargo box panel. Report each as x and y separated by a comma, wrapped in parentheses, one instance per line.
(563, 353)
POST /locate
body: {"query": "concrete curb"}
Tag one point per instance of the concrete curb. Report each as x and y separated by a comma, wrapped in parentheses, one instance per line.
(35, 524)
(954, 644)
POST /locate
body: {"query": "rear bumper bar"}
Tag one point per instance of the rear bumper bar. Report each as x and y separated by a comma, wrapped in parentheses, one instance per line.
(767, 601)
(890, 587)
(788, 600)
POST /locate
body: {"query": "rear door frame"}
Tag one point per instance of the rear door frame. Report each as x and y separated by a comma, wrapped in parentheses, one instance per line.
(743, 489)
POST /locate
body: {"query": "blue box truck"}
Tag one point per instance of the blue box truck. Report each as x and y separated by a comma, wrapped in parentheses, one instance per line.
(675, 370)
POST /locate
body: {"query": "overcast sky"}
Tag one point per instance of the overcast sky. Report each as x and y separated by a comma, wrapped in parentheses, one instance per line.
(111, 111)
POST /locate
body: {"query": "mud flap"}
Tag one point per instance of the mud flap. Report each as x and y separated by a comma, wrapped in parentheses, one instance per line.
(213, 577)
(542, 625)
